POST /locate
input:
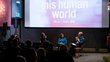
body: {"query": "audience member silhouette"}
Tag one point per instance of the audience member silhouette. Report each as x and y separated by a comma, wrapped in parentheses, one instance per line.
(41, 55)
(20, 59)
(72, 50)
(48, 46)
(63, 55)
(60, 55)
(16, 51)
(12, 50)
(29, 52)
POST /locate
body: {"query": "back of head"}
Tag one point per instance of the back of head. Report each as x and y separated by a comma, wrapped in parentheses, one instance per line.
(28, 43)
(48, 46)
(15, 42)
(22, 45)
(41, 53)
(12, 36)
(63, 48)
(20, 59)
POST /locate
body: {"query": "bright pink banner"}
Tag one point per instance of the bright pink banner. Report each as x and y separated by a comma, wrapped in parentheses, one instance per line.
(5, 12)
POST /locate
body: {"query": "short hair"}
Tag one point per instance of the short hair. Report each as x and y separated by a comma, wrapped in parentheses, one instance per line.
(80, 32)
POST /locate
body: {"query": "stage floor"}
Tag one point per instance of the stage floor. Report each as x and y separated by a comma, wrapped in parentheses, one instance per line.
(91, 57)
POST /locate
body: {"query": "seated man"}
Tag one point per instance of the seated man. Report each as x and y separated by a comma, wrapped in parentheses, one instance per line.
(80, 40)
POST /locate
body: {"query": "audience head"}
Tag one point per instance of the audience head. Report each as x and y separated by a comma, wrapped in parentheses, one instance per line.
(48, 46)
(22, 45)
(41, 53)
(12, 37)
(63, 48)
(28, 43)
(15, 43)
(21, 59)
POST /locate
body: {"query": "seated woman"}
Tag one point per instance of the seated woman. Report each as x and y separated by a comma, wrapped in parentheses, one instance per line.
(62, 40)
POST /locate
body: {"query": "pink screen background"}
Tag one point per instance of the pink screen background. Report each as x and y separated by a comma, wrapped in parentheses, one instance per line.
(41, 16)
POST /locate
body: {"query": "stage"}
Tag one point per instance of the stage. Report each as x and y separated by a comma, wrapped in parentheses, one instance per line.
(91, 57)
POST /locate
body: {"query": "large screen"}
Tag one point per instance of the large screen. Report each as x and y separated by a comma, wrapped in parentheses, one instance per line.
(63, 13)
(5, 12)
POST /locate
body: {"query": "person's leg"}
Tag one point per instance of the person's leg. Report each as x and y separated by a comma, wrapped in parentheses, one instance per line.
(77, 53)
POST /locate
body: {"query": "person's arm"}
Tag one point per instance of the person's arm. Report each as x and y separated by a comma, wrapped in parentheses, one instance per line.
(82, 40)
(77, 39)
